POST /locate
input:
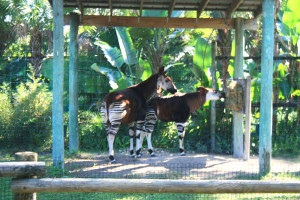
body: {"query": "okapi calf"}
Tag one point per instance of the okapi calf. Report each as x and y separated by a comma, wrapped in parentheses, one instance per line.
(176, 108)
(124, 107)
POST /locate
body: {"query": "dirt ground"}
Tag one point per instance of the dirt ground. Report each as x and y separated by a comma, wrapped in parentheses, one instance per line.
(173, 165)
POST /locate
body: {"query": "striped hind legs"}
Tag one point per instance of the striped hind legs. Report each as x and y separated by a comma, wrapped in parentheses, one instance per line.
(131, 135)
(181, 133)
(140, 134)
(149, 127)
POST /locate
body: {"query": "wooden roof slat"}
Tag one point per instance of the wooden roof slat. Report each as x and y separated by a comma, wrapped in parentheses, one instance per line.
(202, 6)
(79, 3)
(141, 7)
(110, 7)
(172, 5)
(233, 7)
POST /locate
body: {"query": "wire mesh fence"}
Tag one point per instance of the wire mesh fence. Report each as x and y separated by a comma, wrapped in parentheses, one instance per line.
(25, 124)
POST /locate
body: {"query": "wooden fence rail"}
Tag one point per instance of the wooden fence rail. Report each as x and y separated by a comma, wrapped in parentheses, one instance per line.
(20, 169)
(62, 185)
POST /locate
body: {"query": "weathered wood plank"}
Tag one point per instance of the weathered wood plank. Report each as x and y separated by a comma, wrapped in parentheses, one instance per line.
(160, 22)
(58, 185)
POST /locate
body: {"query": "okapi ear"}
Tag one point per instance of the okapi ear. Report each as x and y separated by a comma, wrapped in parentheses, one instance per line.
(161, 71)
(202, 89)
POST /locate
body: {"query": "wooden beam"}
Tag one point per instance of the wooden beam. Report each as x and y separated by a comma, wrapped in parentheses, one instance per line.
(237, 117)
(73, 84)
(17, 169)
(172, 5)
(141, 7)
(257, 13)
(233, 7)
(79, 3)
(58, 83)
(160, 22)
(110, 7)
(202, 7)
(266, 111)
(66, 185)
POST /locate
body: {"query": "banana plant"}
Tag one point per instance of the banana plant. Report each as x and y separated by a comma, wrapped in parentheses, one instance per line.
(202, 61)
(122, 60)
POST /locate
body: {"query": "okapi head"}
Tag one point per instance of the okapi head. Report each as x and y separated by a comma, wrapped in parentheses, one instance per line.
(211, 94)
(165, 82)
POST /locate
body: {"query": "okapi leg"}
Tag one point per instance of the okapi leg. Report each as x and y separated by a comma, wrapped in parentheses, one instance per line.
(110, 140)
(116, 111)
(131, 135)
(139, 131)
(181, 133)
(150, 123)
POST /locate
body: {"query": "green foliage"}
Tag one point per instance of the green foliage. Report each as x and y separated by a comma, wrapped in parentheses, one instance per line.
(202, 61)
(26, 115)
(291, 20)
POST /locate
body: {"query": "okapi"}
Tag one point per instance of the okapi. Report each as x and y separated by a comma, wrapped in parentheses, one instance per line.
(124, 107)
(175, 108)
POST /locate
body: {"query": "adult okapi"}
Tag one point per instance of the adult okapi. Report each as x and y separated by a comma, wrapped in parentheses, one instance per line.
(129, 105)
(176, 108)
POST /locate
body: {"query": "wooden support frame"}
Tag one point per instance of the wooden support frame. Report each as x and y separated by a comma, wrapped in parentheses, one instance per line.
(202, 7)
(17, 169)
(266, 110)
(172, 5)
(73, 85)
(233, 7)
(238, 73)
(58, 82)
(160, 22)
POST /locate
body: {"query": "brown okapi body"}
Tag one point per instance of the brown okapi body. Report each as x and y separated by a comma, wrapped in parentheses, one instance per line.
(124, 107)
(176, 108)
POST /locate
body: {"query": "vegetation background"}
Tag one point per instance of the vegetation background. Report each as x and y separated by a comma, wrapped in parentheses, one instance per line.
(115, 58)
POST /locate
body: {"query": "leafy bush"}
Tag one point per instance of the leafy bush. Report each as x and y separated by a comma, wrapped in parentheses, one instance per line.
(26, 115)
(92, 134)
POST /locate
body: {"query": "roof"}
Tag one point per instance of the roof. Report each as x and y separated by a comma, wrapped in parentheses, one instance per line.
(227, 6)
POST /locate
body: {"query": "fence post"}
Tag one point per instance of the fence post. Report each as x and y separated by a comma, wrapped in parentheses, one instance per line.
(213, 103)
(25, 156)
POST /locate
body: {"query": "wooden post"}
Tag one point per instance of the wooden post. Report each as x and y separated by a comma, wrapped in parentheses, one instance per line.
(238, 73)
(247, 119)
(73, 85)
(213, 103)
(265, 127)
(26, 156)
(58, 80)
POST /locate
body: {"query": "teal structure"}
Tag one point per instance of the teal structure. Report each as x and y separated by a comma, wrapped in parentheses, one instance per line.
(73, 84)
(58, 83)
(266, 109)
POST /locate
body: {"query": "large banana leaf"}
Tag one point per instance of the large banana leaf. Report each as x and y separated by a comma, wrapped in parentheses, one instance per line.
(116, 78)
(291, 20)
(112, 54)
(126, 46)
(202, 61)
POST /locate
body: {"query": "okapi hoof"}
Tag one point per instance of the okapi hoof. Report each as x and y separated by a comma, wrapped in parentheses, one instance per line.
(138, 153)
(131, 154)
(111, 159)
(150, 151)
(182, 152)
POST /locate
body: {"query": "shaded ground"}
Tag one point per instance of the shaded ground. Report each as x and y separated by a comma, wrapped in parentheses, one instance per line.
(174, 166)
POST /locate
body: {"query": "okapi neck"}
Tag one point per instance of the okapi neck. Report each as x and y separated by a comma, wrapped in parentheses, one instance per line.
(149, 86)
(195, 100)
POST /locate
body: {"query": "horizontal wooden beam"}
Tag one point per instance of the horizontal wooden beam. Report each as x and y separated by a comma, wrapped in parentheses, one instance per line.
(58, 185)
(159, 22)
(19, 169)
